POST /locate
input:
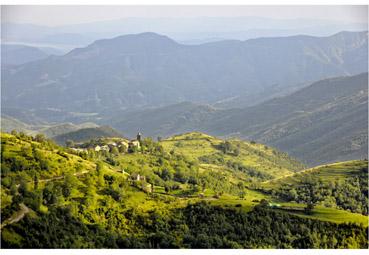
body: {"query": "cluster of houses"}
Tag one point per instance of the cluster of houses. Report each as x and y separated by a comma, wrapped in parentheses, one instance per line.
(108, 146)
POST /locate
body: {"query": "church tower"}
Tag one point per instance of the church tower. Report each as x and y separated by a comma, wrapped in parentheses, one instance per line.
(139, 137)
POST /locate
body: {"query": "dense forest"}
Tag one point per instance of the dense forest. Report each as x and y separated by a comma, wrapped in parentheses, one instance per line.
(350, 194)
(195, 226)
(189, 191)
(341, 185)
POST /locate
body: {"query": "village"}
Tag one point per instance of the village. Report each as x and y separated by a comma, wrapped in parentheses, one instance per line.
(105, 144)
(123, 146)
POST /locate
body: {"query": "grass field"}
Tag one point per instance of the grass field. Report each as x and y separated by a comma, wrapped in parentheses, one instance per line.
(326, 173)
(194, 145)
(325, 214)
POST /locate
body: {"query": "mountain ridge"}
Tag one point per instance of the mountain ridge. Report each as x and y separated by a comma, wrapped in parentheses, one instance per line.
(145, 75)
(331, 112)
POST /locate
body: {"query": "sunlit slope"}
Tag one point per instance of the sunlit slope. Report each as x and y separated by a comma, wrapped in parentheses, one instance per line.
(97, 201)
(209, 151)
(342, 185)
(43, 158)
(326, 173)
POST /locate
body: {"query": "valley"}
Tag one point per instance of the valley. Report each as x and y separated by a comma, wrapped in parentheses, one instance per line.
(321, 123)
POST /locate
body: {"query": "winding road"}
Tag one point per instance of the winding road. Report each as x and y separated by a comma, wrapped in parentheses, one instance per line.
(17, 216)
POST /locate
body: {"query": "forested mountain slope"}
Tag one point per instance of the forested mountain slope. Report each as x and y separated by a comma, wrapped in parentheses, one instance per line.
(172, 194)
(20, 54)
(324, 122)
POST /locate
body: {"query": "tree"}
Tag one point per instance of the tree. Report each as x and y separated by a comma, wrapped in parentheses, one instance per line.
(13, 189)
(24, 187)
(293, 194)
(167, 188)
(40, 138)
(263, 203)
(225, 147)
(49, 195)
(122, 149)
(69, 143)
(240, 185)
(22, 135)
(26, 152)
(99, 167)
(2, 149)
(180, 175)
(132, 149)
(236, 152)
(242, 194)
(203, 185)
(114, 151)
(35, 182)
(309, 208)
(166, 175)
(70, 181)
(159, 149)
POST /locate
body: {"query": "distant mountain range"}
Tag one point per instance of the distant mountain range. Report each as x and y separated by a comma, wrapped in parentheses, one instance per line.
(324, 122)
(17, 54)
(189, 30)
(60, 133)
(146, 70)
(9, 124)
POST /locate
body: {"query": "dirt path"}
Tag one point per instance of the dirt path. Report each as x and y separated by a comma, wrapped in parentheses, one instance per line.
(76, 174)
(62, 177)
(278, 178)
(17, 216)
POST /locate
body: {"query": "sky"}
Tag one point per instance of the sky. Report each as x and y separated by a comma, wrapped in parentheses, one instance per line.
(65, 15)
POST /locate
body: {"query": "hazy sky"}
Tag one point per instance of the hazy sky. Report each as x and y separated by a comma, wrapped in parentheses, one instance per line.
(62, 15)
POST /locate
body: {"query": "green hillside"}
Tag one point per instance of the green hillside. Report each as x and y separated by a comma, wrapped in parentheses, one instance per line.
(340, 185)
(188, 191)
(214, 153)
(85, 134)
(25, 160)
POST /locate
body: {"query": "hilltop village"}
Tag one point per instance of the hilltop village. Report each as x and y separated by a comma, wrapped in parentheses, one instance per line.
(116, 145)
(108, 145)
